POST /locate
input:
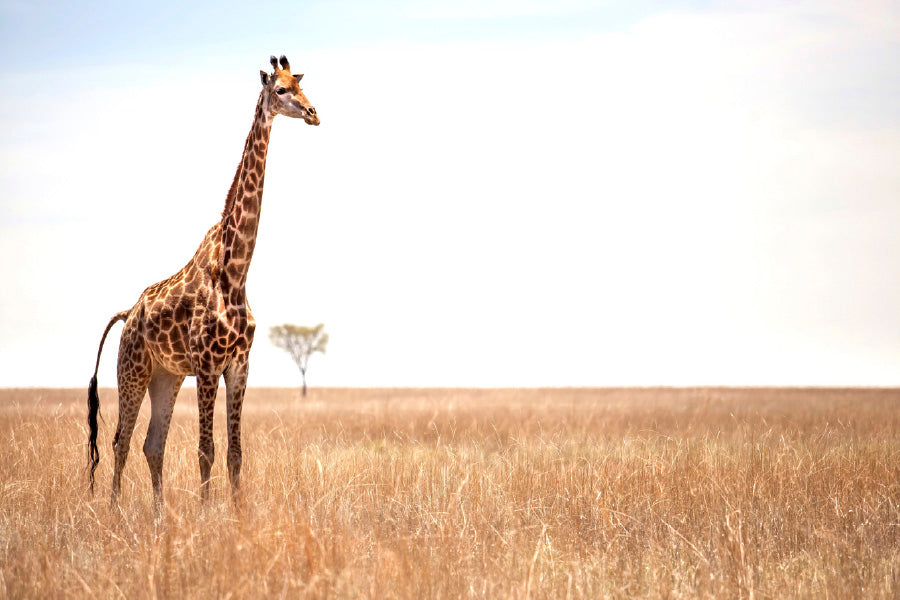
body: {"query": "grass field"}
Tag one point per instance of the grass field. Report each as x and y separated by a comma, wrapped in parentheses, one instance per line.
(660, 493)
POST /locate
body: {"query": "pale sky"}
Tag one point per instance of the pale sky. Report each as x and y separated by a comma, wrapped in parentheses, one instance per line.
(501, 193)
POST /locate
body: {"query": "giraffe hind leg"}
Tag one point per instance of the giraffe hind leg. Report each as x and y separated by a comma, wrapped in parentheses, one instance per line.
(131, 393)
(163, 390)
(134, 369)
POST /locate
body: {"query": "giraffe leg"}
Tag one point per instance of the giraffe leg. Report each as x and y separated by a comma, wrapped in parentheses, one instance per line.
(207, 386)
(163, 389)
(236, 384)
(133, 377)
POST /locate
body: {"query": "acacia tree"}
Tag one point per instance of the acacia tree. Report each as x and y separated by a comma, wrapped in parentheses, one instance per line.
(300, 342)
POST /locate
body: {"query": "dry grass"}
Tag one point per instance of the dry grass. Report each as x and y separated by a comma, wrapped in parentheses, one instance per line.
(469, 493)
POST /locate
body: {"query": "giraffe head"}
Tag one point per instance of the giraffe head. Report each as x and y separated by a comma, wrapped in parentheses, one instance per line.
(283, 95)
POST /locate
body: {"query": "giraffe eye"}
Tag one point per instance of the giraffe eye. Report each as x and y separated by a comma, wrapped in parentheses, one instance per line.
(280, 91)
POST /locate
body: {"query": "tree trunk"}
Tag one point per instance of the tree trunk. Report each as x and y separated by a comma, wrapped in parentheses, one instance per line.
(303, 373)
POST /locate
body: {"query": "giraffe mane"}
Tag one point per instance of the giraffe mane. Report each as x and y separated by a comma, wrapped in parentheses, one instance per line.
(232, 191)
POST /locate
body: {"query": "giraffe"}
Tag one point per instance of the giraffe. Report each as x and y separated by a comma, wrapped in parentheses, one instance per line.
(197, 322)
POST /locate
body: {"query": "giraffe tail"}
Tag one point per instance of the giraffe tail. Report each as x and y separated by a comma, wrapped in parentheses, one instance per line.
(94, 399)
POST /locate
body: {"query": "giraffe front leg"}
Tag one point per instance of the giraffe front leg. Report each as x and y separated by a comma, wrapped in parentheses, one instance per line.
(236, 384)
(206, 401)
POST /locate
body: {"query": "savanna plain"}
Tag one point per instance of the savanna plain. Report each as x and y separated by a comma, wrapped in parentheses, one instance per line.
(455, 493)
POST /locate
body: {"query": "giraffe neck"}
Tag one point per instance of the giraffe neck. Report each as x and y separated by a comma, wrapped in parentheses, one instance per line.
(240, 218)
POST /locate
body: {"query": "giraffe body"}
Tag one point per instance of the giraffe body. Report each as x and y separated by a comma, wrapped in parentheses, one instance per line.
(197, 322)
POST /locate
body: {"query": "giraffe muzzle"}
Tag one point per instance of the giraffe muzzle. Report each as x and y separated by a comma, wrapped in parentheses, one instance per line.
(311, 117)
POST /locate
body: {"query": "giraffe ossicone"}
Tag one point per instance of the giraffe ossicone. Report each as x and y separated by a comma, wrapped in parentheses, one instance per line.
(197, 322)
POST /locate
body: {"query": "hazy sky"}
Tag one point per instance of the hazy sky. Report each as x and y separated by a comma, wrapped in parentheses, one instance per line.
(501, 193)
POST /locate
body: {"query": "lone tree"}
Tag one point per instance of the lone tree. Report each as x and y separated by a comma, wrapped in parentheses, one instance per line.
(300, 342)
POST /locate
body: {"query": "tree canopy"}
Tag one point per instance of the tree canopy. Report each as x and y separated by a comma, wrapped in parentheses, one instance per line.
(300, 342)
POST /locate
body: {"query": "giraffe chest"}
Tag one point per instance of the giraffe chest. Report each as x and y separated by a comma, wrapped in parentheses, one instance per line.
(201, 336)
(221, 336)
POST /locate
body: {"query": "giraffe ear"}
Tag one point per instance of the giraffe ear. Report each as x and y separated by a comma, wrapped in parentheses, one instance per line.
(264, 77)
(298, 77)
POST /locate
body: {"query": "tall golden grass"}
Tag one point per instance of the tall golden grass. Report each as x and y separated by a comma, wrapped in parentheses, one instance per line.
(660, 493)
